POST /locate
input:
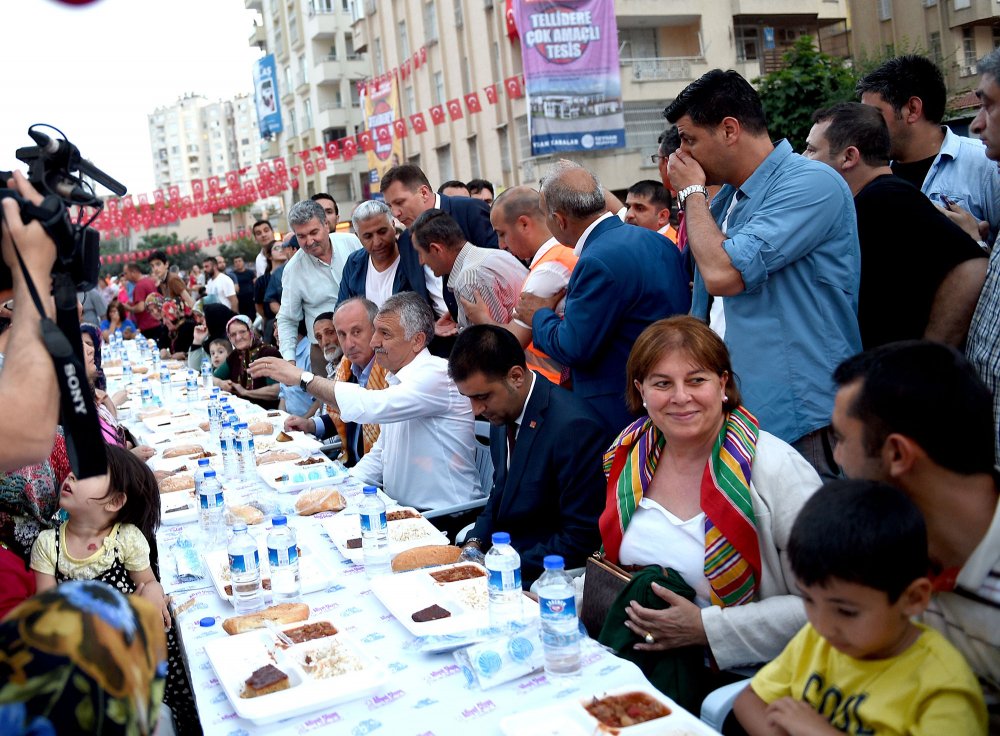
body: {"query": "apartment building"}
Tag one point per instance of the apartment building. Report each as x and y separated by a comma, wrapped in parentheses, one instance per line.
(955, 33)
(196, 138)
(664, 45)
(318, 66)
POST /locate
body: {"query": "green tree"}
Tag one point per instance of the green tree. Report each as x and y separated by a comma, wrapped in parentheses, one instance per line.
(245, 247)
(810, 80)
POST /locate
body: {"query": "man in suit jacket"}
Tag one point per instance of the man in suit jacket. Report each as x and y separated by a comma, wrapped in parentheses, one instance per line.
(548, 491)
(408, 192)
(626, 279)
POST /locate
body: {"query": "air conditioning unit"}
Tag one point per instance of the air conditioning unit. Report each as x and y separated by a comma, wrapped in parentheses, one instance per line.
(930, 3)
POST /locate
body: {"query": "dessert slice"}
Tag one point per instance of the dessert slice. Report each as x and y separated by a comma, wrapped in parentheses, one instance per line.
(268, 679)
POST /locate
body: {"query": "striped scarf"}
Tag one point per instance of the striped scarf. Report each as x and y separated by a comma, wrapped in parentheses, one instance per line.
(732, 553)
(376, 382)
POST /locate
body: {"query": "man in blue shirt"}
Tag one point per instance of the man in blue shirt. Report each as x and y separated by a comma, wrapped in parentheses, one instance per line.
(293, 399)
(777, 256)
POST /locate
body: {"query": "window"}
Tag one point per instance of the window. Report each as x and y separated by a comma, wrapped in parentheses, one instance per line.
(935, 43)
(466, 79)
(444, 163)
(355, 96)
(332, 56)
(885, 9)
(996, 36)
(459, 22)
(473, 157)
(404, 42)
(505, 164)
(640, 43)
(334, 134)
(379, 66)
(293, 127)
(439, 89)
(969, 48)
(307, 116)
(430, 23)
(289, 82)
(748, 45)
(349, 46)
(411, 101)
(303, 70)
(962, 4)
(293, 28)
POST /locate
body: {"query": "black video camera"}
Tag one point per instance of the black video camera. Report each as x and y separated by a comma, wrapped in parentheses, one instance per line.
(51, 167)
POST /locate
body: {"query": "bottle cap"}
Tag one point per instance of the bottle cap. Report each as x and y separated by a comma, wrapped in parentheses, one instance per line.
(204, 462)
(224, 399)
(209, 474)
(501, 538)
(239, 526)
(279, 521)
(207, 621)
(370, 490)
(241, 425)
(553, 562)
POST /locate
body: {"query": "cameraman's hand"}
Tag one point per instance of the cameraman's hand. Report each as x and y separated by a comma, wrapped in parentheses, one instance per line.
(36, 247)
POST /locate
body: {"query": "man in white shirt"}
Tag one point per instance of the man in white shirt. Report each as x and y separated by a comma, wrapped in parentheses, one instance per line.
(493, 276)
(521, 230)
(220, 286)
(310, 281)
(264, 235)
(425, 453)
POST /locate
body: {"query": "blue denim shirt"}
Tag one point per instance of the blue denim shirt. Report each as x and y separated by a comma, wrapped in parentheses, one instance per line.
(297, 401)
(793, 237)
(962, 173)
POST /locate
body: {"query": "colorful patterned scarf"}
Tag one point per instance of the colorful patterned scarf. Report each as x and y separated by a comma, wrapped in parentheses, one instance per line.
(732, 552)
(376, 382)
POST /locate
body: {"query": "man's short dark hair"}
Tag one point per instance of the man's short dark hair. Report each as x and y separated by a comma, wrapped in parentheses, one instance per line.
(322, 316)
(452, 184)
(259, 223)
(903, 77)
(928, 392)
(436, 226)
(859, 531)
(717, 95)
(669, 140)
(477, 185)
(486, 349)
(157, 255)
(410, 176)
(861, 126)
(654, 191)
(323, 195)
(133, 266)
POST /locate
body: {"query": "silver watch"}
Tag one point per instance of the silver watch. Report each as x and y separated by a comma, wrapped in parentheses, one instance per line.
(686, 192)
(305, 379)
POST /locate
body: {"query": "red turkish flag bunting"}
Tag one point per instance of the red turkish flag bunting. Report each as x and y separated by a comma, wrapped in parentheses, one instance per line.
(384, 134)
(279, 168)
(399, 128)
(332, 150)
(418, 123)
(513, 87)
(416, 60)
(310, 168)
(423, 54)
(213, 183)
(472, 102)
(174, 191)
(198, 189)
(158, 196)
(264, 170)
(232, 180)
(511, 20)
(404, 70)
(437, 114)
(365, 141)
(304, 155)
(455, 109)
(491, 94)
(321, 164)
(349, 147)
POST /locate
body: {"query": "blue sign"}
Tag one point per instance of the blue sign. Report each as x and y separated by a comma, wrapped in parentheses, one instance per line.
(265, 86)
(768, 38)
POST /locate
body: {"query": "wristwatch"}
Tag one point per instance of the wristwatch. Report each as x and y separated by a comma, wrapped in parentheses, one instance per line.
(686, 192)
(474, 540)
(305, 379)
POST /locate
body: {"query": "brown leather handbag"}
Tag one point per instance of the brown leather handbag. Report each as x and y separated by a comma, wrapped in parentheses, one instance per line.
(603, 582)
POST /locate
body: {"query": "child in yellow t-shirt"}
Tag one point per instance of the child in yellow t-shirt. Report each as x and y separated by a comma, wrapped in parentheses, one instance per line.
(861, 665)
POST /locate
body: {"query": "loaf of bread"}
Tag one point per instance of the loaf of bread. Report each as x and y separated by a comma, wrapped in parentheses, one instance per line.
(183, 450)
(278, 456)
(430, 555)
(261, 428)
(283, 613)
(174, 483)
(247, 514)
(319, 499)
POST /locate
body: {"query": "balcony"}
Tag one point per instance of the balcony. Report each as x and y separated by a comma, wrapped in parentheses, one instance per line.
(257, 5)
(822, 10)
(977, 13)
(258, 38)
(664, 68)
(321, 25)
(333, 116)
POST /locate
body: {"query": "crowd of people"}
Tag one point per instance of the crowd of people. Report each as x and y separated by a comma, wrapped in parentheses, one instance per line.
(765, 385)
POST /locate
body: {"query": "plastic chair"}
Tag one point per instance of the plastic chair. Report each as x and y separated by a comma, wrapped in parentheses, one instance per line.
(716, 706)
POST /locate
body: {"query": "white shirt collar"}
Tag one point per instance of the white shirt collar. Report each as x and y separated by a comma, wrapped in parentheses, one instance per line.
(418, 360)
(586, 233)
(437, 201)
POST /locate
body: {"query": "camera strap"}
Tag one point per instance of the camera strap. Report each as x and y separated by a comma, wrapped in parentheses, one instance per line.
(84, 440)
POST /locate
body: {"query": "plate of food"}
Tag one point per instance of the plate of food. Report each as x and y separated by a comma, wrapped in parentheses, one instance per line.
(315, 569)
(443, 600)
(178, 504)
(290, 476)
(268, 680)
(173, 456)
(407, 529)
(638, 710)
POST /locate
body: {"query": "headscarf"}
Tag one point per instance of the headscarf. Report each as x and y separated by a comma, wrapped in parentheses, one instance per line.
(239, 360)
(82, 658)
(217, 316)
(100, 381)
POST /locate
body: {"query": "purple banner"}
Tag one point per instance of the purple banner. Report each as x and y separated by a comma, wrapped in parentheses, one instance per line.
(570, 54)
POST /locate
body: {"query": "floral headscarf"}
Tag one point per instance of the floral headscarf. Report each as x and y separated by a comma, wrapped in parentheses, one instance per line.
(239, 360)
(82, 658)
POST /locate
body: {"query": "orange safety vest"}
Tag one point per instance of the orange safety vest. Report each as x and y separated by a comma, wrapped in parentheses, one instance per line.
(536, 359)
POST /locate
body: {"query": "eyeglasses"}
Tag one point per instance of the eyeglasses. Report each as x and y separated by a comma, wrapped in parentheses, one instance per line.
(656, 158)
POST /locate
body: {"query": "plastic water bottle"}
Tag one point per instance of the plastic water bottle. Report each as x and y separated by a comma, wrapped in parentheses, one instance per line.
(283, 558)
(199, 473)
(504, 566)
(214, 416)
(210, 508)
(247, 455)
(560, 628)
(227, 445)
(166, 385)
(146, 393)
(126, 370)
(206, 374)
(244, 571)
(192, 386)
(374, 534)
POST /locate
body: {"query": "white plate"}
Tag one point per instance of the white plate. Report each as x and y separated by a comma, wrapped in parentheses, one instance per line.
(182, 418)
(406, 593)
(570, 718)
(299, 477)
(178, 507)
(234, 658)
(315, 569)
(158, 462)
(343, 527)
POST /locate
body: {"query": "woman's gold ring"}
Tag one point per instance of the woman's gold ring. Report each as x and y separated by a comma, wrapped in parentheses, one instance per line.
(649, 638)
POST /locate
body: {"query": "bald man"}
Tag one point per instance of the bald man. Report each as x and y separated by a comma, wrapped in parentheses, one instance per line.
(626, 278)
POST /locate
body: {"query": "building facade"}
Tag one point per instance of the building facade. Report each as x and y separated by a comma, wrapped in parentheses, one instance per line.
(664, 45)
(196, 138)
(955, 33)
(318, 65)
